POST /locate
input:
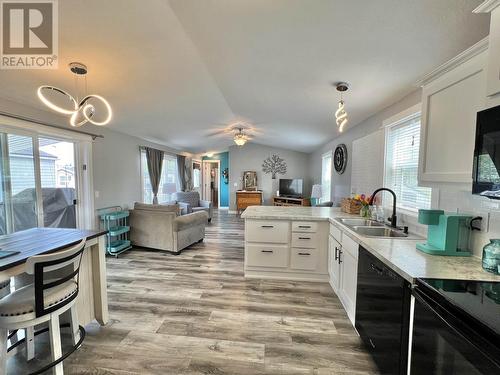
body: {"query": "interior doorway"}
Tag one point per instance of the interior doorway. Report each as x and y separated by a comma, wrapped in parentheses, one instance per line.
(197, 177)
(211, 181)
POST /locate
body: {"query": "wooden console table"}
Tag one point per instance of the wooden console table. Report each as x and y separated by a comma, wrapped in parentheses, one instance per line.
(246, 198)
(284, 201)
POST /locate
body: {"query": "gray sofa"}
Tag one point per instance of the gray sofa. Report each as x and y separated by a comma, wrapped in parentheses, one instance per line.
(160, 227)
(190, 201)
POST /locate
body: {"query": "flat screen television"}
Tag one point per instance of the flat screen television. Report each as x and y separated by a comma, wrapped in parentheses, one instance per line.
(486, 169)
(291, 188)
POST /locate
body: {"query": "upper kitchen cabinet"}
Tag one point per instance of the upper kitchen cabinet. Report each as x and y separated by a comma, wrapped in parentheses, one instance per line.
(493, 71)
(451, 97)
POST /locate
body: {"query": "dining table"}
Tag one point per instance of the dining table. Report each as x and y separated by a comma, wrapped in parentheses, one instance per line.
(92, 300)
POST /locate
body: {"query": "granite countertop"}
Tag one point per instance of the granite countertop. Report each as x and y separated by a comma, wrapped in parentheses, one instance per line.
(400, 255)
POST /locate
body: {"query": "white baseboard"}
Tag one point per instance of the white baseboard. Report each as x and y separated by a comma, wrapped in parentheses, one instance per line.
(223, 208)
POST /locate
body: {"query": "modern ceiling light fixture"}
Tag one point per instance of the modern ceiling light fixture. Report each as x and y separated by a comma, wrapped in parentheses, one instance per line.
(81, 111)
(240, 138)
(341, 114)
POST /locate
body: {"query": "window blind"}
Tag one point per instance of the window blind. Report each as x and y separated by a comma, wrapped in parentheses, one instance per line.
(326, 177)
(401, 165)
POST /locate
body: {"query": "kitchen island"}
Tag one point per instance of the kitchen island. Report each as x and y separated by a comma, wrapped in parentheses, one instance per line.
(312, 244)
(399, 254)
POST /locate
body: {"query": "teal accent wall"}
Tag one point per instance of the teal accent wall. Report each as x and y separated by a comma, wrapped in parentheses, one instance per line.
(224, 188)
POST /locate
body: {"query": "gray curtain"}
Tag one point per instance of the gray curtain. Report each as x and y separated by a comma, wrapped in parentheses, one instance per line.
(181, 171)
(155, 163)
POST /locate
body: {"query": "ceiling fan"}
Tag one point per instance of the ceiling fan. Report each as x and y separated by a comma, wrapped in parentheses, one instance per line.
(240, 138)
(241, 132)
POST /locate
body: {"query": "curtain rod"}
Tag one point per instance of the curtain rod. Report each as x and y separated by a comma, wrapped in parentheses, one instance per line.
(23, 118)
(169, 152)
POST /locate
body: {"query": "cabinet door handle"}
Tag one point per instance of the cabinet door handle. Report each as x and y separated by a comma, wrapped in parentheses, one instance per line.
(305, 226)
(304, 238)
(304, 253)
(336, 253)
(340, 253)
(267, 226)
(267, 251)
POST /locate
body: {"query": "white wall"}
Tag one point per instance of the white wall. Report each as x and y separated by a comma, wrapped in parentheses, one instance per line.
(250, 158)
(449, 197)
(117, 172)
(341, 184)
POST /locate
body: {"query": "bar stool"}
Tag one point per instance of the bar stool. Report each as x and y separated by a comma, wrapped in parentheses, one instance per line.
(53, 292)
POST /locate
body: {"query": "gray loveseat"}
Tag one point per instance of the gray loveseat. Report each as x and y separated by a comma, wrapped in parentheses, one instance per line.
(190, 201)
(159, 227)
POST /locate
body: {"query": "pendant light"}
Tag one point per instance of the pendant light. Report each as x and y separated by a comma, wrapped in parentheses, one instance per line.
(341, 114)
(80, 111)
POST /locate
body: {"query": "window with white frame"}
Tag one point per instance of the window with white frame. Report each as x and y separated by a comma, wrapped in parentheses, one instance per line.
(401, 163)
(326, 177)
(168, 181)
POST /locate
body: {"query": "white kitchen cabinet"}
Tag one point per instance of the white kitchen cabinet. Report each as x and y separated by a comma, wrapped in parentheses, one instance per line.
(493, 86)
(343, 269)
(349, 274)
(286, 249)
(493, 70)
(451, 97)
(334, 268)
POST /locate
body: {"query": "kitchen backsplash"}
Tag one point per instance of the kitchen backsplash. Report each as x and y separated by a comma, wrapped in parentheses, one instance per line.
(463, 202)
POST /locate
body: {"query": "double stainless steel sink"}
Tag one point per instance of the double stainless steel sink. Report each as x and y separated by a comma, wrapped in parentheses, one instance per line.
(372, 228)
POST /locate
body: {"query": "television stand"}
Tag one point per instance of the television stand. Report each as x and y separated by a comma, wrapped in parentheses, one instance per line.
(286, 201)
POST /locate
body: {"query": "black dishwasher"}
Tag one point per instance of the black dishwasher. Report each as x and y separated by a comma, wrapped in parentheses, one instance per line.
(382, 313)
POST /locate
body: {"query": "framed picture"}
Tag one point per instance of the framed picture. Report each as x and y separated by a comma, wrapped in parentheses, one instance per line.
(250, 180)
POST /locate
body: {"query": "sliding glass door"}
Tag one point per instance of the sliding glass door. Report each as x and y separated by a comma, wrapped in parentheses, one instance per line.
(20, 208)
(58, 182)
(38, 183)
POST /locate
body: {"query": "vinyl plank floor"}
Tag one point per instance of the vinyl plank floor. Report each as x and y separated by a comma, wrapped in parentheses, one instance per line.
(196, 314)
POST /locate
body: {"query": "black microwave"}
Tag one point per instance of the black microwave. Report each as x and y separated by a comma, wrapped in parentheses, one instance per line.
(486, 170)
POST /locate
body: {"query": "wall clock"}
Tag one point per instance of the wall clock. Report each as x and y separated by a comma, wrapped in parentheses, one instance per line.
(340, 158)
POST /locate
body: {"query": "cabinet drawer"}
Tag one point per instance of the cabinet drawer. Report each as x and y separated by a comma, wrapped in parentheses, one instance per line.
(304, 259)
(350, 246)
(336, 233)
(304, 226)
(267, 231)
(305, 240)
(258, 255)
(249, 200)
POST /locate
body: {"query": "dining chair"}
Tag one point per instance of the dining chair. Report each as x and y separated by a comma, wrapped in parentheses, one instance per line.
(53, 292)
(4, 288)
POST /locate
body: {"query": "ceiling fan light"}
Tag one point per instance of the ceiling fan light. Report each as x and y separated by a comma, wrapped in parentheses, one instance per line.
(239, 140)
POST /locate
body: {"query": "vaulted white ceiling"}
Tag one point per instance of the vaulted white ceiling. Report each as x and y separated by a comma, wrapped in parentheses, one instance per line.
(176, 70)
